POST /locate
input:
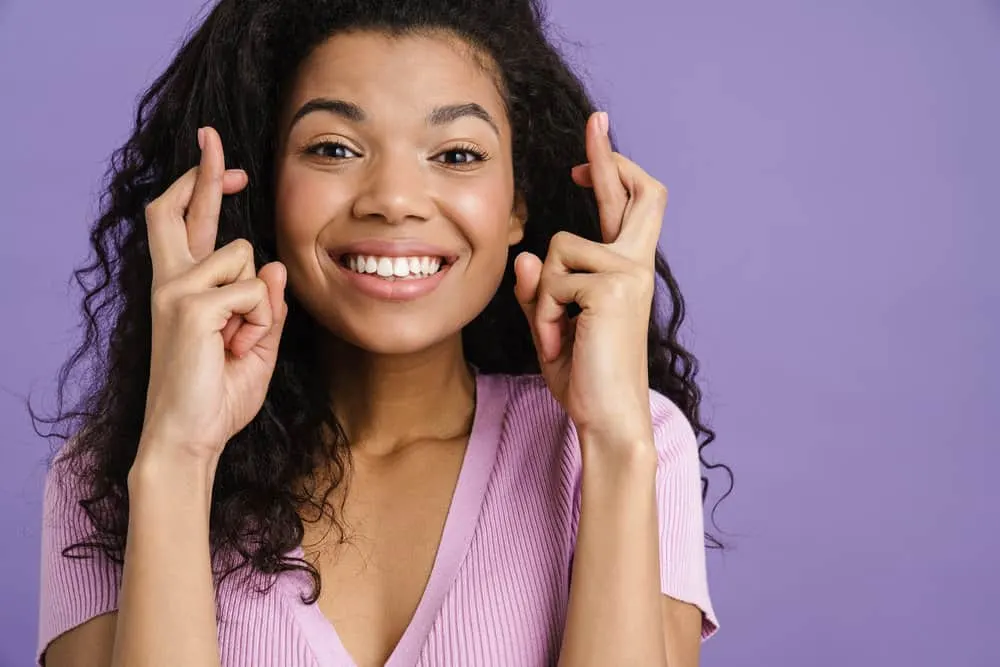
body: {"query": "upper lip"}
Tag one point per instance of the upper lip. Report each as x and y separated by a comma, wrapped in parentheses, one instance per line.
(392, 248)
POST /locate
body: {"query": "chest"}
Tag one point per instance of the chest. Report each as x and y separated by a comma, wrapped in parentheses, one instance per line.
(498, 591)
(392, 514)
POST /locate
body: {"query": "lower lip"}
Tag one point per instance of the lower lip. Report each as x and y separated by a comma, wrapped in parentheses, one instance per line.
(371, 285)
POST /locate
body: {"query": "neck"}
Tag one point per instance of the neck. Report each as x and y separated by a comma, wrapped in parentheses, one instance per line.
(386, 402)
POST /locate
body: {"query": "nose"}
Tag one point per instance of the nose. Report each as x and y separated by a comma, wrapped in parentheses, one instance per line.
(394, 190)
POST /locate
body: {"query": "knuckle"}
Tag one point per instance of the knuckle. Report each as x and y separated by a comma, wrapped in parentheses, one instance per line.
(168, 306)
(652, 187)
(236, 252)
(626, 289)
(153, 209)
(646, 278)
(160, 302)
(164, 297)
(550, 267)
(188, 310)
(561, 239)
(243, 248)
(660, 191)
(618, 287)
(261, 288)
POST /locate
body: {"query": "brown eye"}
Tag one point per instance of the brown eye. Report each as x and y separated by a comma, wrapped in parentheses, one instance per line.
(463, 155)
(331, 150)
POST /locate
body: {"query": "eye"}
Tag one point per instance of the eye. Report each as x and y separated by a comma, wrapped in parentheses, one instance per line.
(462, 155)
(331, 150)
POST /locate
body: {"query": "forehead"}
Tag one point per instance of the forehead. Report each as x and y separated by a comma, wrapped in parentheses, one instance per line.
(392, 76)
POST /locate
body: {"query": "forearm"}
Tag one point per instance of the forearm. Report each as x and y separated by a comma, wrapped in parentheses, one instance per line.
(614, 615)
(166, 610)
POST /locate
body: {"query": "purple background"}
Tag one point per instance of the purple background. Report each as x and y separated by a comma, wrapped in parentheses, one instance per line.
(835, 198)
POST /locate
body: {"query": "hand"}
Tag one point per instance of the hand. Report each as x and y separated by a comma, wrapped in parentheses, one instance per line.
(596, 364)
(216, 322)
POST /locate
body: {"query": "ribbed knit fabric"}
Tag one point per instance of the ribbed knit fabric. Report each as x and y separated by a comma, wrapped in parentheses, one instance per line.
(499, 586)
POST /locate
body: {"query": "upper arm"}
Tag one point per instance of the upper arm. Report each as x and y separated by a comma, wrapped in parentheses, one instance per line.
(681, 632)
(86, 645)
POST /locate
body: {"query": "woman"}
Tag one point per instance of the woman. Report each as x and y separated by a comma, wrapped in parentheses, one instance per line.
(442, 424)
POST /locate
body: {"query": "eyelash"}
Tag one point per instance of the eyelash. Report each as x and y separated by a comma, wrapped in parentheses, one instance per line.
(479, 154)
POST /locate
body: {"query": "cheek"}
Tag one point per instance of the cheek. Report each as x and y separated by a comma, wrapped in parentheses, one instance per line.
(304, 204)
(484, 210)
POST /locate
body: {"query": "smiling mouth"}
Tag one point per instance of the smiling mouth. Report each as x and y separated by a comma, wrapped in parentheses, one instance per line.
(394, 269)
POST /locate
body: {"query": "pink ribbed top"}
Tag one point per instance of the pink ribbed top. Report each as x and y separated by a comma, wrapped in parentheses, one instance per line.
(499, 586)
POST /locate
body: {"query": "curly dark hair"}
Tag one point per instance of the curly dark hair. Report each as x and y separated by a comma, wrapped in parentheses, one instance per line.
(232, 73)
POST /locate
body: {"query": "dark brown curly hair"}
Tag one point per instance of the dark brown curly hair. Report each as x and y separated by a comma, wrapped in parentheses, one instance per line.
(231, 74)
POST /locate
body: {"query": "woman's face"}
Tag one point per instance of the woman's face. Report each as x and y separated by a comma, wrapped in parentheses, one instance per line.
(394, 156)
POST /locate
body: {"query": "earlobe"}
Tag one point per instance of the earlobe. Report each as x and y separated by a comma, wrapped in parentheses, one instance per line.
(518, 218)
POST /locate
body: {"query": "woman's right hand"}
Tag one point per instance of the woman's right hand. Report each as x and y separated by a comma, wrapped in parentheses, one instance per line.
(216, 321)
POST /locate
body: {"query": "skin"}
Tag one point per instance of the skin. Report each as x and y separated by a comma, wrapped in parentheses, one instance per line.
(398, 180)
(403, 361)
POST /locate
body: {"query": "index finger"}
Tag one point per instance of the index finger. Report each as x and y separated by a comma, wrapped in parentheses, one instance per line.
(165, 227)
(640, 232)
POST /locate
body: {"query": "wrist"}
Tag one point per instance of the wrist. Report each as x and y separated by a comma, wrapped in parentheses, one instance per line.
(628, 435)
(618, 456)
(172, 469)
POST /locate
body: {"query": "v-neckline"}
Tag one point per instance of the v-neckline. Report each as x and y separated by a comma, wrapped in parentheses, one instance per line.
(459, 527)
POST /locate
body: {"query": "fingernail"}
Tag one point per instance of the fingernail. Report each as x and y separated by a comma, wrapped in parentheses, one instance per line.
(201, 138)
(603, 122)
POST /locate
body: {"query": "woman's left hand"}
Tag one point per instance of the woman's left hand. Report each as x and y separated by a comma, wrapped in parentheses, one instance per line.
(596, 364)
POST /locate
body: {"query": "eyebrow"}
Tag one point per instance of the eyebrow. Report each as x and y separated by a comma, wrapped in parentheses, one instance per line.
(442, 115)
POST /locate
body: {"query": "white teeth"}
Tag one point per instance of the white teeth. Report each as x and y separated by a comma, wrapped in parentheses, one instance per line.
(392, 268)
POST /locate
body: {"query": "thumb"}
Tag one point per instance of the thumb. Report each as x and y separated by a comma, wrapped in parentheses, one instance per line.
(527, 273)
(276, 276)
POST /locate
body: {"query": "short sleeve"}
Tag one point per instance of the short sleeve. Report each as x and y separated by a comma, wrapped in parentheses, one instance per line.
(683, 572)
(73, 590)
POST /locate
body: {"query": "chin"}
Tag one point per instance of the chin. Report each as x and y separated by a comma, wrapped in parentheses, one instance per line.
(400, 336)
